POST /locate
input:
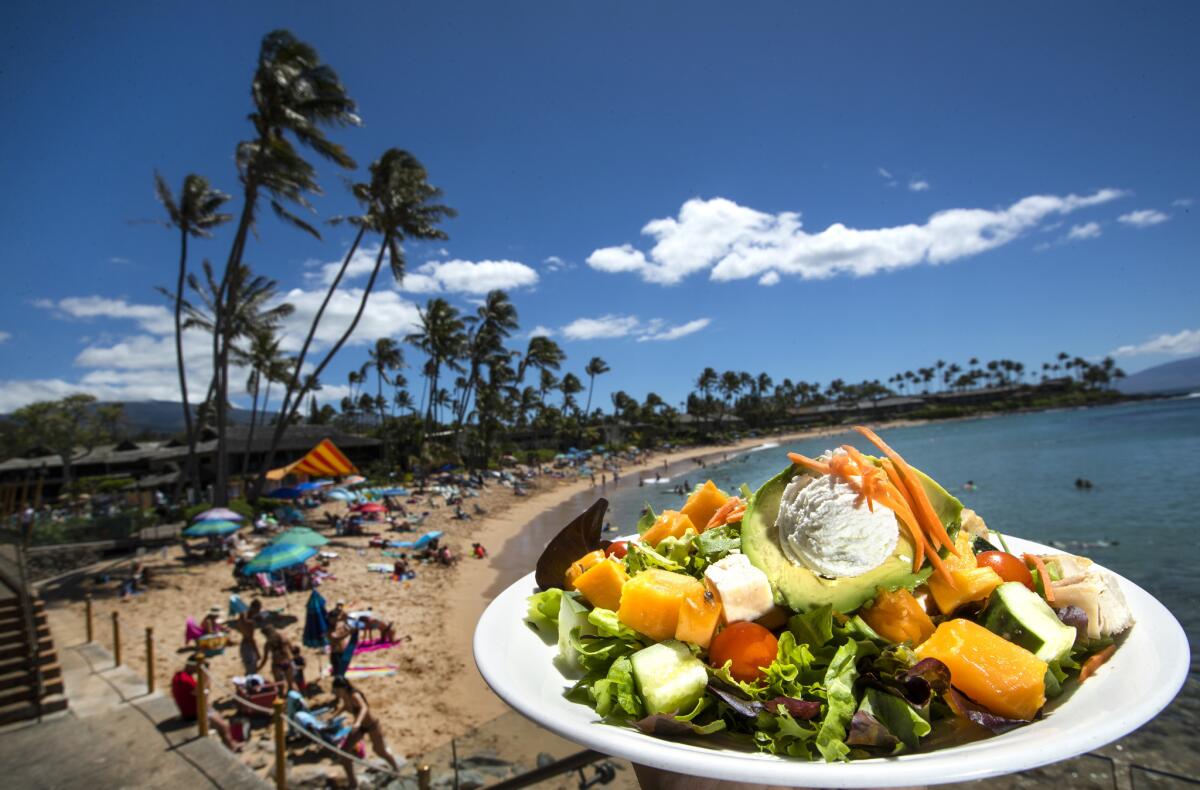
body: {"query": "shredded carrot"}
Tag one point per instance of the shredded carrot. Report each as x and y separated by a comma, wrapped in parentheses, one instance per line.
(1047, 589)
(922, 509)
(1095, 662)
(868, 473)
(813, 464)
(732, 510)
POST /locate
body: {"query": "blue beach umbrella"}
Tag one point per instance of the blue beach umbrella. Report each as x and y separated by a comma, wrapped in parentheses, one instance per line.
(303, 536)
(204, 529)
(285, 493)
(316, 622)
(278, 556)
(340, 495)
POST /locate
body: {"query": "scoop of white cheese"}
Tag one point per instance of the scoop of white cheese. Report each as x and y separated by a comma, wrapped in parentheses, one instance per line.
(826, 527)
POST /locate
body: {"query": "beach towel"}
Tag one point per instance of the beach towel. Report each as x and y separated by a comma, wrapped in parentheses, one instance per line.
(192, 630)
(358, 673)
(379, 567)
(374, 645)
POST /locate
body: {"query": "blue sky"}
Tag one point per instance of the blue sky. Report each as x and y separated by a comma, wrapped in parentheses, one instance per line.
(813, 192)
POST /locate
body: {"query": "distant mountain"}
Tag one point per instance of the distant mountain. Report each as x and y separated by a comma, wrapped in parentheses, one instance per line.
(1171, 377)
(162, 417)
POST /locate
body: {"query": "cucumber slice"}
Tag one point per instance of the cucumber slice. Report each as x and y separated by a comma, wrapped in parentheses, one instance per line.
(669, 677)
(1023, 618)
(572, 614)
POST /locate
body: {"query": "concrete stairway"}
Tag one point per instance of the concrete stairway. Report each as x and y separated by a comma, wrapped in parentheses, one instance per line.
(18, 671)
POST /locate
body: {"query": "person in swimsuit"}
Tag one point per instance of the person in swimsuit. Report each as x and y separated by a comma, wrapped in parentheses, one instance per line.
(352, 701)
(339, 635)
(245, 624)
(281, 654)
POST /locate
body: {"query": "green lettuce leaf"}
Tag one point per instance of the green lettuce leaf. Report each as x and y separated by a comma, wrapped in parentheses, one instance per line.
(839, 696)
(896, 715)
(813, 628)
(543, 611)
(713, 544)
(647, 520)
(616, 694)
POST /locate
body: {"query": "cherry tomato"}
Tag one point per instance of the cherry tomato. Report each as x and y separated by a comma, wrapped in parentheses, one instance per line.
(749, 646)
(618, 549)
(1006, 566)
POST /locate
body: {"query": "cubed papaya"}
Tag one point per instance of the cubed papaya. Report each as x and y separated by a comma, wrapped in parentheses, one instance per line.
(703, 503)
(1003, 677)
(579, 566)
(898, 616)
(698, 616)
(651, 600)
(973, 584)
(670, 524)
(601, 584)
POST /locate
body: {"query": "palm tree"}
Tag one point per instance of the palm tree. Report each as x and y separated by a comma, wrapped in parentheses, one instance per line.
(543, 354)
(494, 321)
(398, 203)
(384, 356)
(595, 367)
(547, 381)
(265, 361)
(196, 213)
(570, 386)
(441, 338)
(294, 93)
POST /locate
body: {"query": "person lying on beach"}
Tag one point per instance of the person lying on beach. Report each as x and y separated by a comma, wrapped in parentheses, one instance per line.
(352, 701)
(281, 654)
(183, 689)
(245, 624)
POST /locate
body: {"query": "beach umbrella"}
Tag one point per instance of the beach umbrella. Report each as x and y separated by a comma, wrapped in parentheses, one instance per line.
(211, 527)
(316, 622)
(285, 493)
(370, 507)
(277, 556)
(302, 536)
(309, 486)
(354, 480)
(339, 495)
(392, 491)
(219, 514)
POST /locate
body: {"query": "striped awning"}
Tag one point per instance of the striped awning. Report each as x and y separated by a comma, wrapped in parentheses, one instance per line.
(324, 460)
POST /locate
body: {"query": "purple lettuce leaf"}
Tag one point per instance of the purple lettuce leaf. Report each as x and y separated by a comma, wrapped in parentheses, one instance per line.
(978, 714)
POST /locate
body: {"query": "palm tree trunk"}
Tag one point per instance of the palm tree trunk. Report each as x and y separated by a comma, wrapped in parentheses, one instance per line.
(591, 383)
(290, 394)
(287, 414)
(250, 433)
(189, 467)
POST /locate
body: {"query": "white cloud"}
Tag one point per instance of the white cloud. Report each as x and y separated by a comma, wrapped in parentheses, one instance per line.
(1088, 230)
(614, 326)
(1181, 343)
(603, 327)
(769, 279)
(360, 265)
(155, 319)
(118, 259)
(105, 385)
(541, 331)
(1143, 218)
(884, 172)
(5, 336)
(917, 185)
(554, 263)
(733, 242)
(676, 332)
(472, 277)
(387, 315)
(1182, 202)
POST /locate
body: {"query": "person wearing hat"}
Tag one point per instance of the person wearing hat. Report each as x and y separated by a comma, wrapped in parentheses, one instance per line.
(183, 689)
(211, 624)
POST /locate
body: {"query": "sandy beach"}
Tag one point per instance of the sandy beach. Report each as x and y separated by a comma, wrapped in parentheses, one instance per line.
(436, 693)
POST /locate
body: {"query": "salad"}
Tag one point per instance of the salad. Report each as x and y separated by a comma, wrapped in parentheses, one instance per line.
(849, 608)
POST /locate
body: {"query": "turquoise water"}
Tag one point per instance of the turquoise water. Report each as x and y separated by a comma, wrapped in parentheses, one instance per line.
(1143, 459)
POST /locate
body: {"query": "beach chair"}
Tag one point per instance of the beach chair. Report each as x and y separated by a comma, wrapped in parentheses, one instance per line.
(268, 585)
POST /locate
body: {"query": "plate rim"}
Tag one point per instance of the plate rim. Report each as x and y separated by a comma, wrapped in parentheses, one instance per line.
(902, 770)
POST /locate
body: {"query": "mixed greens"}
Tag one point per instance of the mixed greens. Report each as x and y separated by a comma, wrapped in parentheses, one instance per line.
(669, 632)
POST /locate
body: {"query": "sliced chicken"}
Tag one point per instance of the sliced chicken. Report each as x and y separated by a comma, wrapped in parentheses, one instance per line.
(1094, 590)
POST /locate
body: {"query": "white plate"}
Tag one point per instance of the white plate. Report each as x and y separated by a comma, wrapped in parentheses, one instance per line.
(1142, 677)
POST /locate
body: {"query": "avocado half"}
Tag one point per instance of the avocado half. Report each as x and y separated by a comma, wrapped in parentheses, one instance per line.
(800, 589)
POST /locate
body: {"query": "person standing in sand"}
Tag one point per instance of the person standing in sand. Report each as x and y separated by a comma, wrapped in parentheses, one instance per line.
(339, 636)
(245, 624)
(281, 654)
(354, 703)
